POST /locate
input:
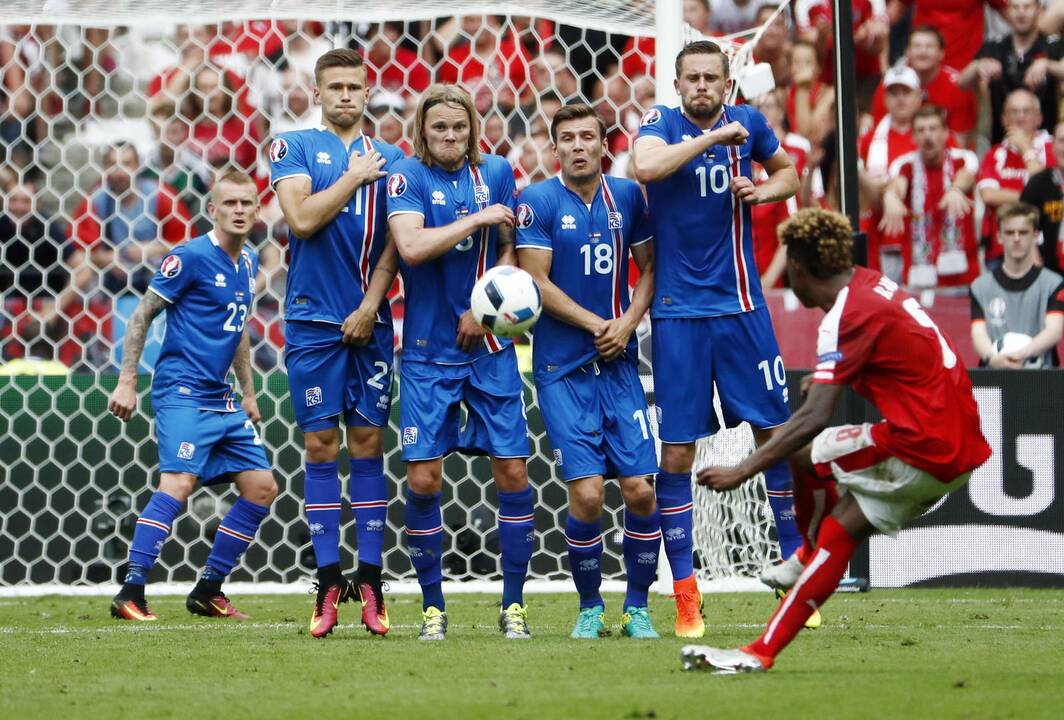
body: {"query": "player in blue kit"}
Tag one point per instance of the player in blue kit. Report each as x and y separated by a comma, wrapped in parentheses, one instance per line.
(709, 320)
(207, 287)
(574, 234)
(338, 326)
(450, 210)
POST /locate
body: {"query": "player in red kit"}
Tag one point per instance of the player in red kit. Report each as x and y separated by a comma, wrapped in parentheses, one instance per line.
(854, 480)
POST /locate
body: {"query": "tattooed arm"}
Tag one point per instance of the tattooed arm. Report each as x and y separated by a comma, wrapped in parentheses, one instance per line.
(242, 368)
(124, 399)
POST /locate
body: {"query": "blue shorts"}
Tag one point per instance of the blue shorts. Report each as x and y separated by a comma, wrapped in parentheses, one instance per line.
(327, 379)
(596, 419)
(489, 390)
(210, 445)
(737, 352)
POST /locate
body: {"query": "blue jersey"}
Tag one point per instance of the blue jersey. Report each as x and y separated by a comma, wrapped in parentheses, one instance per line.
(703, 250)
(329, 272)
(437, 291)
(589, 262)
(210, 298)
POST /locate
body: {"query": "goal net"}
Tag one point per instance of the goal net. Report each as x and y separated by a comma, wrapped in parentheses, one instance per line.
(113, 117)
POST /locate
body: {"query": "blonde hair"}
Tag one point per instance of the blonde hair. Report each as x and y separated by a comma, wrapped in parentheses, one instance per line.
(449, 95)
(236, 177)
(819, 240)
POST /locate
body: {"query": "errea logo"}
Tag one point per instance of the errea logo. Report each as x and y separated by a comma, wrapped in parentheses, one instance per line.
(323, 158)
(568, 222)
(219, 280)
(438, 198)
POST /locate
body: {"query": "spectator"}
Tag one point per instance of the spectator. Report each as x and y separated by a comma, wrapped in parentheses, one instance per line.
(939, 82)
(390, 66)
(386, 118)
(960, 23)
(172, 163)
(870, 31)
(226, 130)
(1018, 309)
(1025, 58)
(542, 107)
(1045, 191)
(1026, 150)
(293, 108)
(495, 139)
(535, 159)
(891, 138)
(732, 16)
(810, 102)
(123, 228)
(551, 72)
(29, 57)
(31, 250)
(774, 47)
(637, 57)
(489, 63)
(770, 256)
(930, 201)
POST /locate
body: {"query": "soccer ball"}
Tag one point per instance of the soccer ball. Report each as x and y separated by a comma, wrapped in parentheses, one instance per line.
(506, 301)
(1013, 341)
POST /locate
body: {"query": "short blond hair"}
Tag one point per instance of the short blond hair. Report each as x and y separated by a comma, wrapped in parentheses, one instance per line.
(234, 176)
(449, 95)
(819, 240)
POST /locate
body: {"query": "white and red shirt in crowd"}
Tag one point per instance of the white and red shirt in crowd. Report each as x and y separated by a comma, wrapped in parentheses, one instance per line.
(877, 150)
(878, 339)
(951, 251)
(766, 217)
(402, 72)
(960, 105)
(509, 66)
(1004, 167)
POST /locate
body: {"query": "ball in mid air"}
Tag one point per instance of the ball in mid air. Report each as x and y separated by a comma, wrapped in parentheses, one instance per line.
(506, 301)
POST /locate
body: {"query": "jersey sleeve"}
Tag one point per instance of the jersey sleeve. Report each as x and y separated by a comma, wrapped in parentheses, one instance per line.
(844, 343)
(175, 274)
(533, 220)
(977, 307)
(654, 123)
(988, 175)
(288, 158)
(1056, 301)
(642, 229)
(763, 142)
(405, 191)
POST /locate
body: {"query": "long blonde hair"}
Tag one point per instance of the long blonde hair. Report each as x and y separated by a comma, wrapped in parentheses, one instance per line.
(450, 95)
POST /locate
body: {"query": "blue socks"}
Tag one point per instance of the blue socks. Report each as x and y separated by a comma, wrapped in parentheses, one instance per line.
(517, 536)
(676, 508)
(321, 502)
(424, 539)
(585, 554)
(642, 538)
(234, 535)
(369, 500)
(153, 527)
(781, 499)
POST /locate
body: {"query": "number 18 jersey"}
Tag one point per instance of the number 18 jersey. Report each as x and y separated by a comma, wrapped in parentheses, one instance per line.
(703, 249)
(589, 262)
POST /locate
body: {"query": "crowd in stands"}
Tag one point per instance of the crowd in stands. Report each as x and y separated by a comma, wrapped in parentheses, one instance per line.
(109, 137)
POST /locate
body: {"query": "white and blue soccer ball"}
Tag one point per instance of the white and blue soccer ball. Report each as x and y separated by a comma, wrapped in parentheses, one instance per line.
(506, 301)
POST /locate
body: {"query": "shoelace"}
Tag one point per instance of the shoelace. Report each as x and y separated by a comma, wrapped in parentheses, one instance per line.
(431, 624)
(587, 620)
(517, 619)
(640, 618)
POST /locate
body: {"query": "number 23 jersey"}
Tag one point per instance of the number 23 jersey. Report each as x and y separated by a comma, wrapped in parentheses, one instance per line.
(209, 299)
(703, 248)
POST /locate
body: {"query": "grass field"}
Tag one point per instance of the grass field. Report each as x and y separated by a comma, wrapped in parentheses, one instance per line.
(885, 654)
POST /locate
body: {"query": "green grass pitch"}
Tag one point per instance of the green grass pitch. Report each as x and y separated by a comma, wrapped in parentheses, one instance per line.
(885, 654)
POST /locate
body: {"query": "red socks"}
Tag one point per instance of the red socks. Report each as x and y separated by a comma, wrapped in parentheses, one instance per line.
(817, 582)
(814, 499)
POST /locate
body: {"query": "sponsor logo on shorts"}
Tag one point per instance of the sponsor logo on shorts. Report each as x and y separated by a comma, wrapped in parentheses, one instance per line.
(675, 534)
(316, 529)
(589, 564)
(650, 117)
(410, 436)
(382, 402)
(278, 149)
(396, 185)
(186, 451)
(375, 525)
(313, 396)
(525, 216)
(558, 457)
(647, 558)
(171, 266)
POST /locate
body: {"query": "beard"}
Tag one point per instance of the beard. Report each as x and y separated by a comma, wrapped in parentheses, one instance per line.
(704, 111)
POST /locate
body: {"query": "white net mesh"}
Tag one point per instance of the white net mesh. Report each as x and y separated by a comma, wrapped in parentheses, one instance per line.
(108, 137)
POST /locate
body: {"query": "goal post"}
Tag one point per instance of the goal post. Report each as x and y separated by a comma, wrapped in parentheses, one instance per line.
(94, 75)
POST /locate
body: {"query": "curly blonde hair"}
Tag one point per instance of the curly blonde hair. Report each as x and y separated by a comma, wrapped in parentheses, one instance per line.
(819, 240)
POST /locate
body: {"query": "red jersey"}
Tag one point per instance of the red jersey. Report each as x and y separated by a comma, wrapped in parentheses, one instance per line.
(865, 62)
(637, 57)
(877, 150)
(766, 217)
(960, 105)
(510, 64)
(878, 339)
(404, 72)
(959, 21)
(1004, 167)
(949, 247)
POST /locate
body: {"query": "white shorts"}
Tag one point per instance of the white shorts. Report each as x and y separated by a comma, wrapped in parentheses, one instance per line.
(889, 491)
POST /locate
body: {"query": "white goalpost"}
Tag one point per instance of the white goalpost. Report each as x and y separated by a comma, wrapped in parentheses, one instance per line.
(94, 74)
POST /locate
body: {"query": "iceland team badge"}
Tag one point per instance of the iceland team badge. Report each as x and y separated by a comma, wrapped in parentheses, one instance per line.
(171, 266)
(480, 194)
(525, 216)
(396, 185)
(313, 396)
(615, 220)
(278, 149)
